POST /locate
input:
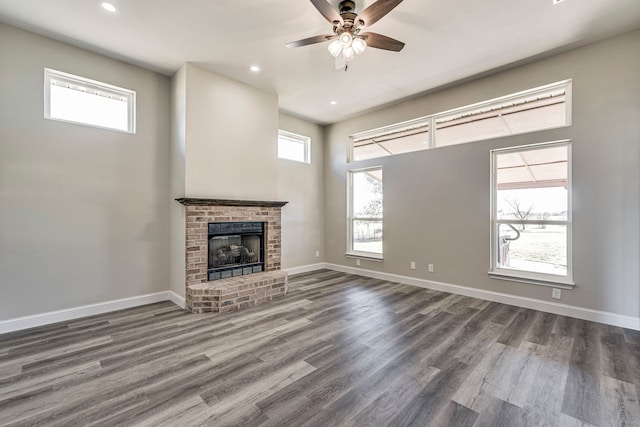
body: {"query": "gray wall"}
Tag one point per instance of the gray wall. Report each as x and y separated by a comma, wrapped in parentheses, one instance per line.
(436, 202)
(231, 135)
(303, 186)
(83, 211)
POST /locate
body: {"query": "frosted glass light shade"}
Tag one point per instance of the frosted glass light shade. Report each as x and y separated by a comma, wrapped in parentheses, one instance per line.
(348, 54)
(358, 45)
(335, 48)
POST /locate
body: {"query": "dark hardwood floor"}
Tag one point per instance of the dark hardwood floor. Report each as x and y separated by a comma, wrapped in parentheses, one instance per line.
(339, 350)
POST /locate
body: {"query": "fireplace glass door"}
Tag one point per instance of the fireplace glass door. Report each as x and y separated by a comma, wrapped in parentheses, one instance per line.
(235, 249)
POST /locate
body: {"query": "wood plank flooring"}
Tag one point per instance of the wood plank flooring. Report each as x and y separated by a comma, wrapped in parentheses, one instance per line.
(339, 350)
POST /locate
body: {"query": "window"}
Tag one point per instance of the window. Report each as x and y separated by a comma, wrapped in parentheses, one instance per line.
(75, 99)
(537, 109)
(293, 147)
(533, 110)
(365, 212)
(395, 139)
(531, 213)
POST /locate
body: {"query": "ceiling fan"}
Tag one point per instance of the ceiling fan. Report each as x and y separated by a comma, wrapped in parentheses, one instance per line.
(348, 38)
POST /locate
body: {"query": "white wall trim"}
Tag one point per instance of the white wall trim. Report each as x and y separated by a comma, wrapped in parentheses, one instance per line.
(177, 299)
(26, 322)
(605, 317)
(306, 268)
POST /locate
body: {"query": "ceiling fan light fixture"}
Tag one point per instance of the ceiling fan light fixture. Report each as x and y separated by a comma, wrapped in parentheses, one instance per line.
(335, 48)
(346, 38)
(358, 45)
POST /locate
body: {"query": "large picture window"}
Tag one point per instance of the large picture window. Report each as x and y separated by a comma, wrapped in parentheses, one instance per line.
(75, 99)
(365, 212)
(531, 213)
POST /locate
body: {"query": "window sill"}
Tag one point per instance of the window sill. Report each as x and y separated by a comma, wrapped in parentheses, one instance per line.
(366, 256)
(539, 282)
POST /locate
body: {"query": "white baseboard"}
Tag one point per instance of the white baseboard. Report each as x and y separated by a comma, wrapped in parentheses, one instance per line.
(306, 268)
(177, 299)
(536, 304)
(26, 322)
(605, 317)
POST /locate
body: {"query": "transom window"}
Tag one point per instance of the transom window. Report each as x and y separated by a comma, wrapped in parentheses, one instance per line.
(531, 213)
(75, 99)
(537, 109)
(542, 109)
(365, 213)
(395, 139)
(294, 147)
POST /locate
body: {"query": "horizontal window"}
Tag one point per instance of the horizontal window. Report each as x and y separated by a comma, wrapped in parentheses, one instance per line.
(294, 147)
(537, 109)
(545, 109)
(79, 100)
(396, 139)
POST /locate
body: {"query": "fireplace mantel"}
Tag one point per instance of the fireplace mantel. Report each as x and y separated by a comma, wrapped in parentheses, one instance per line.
(225, 202)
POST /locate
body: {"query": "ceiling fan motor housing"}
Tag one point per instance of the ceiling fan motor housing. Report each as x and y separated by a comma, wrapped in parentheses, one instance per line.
(347, 6)
(348, 14)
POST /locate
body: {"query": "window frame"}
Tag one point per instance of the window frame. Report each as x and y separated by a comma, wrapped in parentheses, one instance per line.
(294, 137)
(530, 277)
(93, 85)
(430, 122)
(420, 122)
(351, 217)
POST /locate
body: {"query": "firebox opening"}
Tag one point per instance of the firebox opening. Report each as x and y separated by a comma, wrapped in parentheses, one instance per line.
(235, 249)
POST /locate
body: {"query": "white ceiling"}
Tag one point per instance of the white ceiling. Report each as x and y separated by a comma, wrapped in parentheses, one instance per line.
(446, 40)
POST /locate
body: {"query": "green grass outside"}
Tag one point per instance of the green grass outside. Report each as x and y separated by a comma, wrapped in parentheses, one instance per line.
(548, 246)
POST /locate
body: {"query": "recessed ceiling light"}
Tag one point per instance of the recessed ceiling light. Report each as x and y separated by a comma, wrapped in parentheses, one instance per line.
(254, 69)
(334, 103)
(109, 7)
(557, 1)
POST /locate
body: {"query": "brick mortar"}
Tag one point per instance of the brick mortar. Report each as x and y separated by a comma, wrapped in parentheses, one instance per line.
(232, 295)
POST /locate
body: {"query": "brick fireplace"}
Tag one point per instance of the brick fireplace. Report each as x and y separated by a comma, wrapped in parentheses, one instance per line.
(236, 292)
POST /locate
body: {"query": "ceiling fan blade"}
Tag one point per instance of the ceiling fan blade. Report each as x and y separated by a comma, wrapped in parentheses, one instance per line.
(325, 8)
(377, 10)
(311, 40)
(379, 41)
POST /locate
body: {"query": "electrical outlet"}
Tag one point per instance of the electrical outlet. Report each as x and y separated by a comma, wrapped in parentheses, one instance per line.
(413, 265)
(357, 261)
(556, 293)
(317, 254)
(430, 268)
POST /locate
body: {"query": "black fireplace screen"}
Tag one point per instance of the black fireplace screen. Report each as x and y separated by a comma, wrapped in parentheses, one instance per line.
(235, 249)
